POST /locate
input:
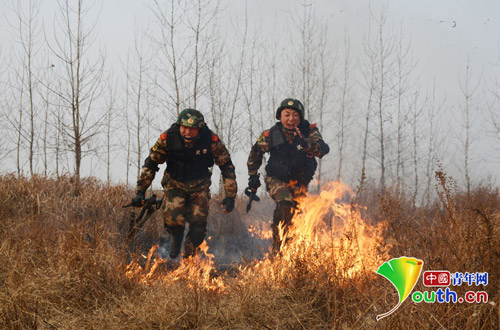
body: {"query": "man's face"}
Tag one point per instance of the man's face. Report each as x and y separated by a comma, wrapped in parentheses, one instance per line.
(290, 118)
(189, 133)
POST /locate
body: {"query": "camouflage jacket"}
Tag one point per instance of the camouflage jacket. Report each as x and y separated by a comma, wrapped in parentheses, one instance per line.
(316, 147)
(158, 155)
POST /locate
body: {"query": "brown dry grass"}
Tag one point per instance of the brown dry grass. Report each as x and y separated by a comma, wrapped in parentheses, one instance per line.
(63, 257)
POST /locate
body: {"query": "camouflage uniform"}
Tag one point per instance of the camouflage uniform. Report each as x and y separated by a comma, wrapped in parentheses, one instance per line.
(186, 180)
(288, 176)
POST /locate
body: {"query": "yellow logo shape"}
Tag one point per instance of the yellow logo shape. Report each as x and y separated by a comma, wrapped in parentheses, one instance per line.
(290, 102)
(403, 273)
(190, 120)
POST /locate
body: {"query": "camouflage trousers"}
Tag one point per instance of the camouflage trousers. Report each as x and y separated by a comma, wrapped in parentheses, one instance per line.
(281, 191)
(285, 195)
(186, 204)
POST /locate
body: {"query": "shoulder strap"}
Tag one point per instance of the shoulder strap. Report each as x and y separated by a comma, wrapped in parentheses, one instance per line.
(276, 136)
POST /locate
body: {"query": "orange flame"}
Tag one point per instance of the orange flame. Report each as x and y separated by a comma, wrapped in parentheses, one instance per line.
(326, 235)
(325, 224)
(194, 271)
(262, 231)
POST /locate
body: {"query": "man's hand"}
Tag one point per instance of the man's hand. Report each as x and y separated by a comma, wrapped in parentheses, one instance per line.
(302, 141)
(227, 205)
(138, 200)
(254, 182)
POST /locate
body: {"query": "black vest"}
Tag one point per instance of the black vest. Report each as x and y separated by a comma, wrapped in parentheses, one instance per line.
(184, 164)
(289, 161)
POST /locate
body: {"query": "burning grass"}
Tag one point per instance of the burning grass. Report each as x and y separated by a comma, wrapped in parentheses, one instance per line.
(64, 264)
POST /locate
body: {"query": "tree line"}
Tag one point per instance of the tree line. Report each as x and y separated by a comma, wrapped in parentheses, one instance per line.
(64, 103)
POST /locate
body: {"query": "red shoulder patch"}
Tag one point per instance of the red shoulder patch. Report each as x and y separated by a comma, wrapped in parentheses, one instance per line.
(215, 138)
(266, 134)
(163, 136)
(313, 126)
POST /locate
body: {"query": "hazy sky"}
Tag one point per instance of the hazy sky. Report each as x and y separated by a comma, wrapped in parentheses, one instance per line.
(443, 32)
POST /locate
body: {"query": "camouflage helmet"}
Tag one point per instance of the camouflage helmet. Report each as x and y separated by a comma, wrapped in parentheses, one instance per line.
(291, 104)
(191, 118)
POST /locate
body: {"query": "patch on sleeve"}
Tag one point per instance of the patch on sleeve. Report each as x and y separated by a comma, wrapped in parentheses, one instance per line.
(155, 147)
(163, 136)
(263, 136)
(215, 138)
(313, 126)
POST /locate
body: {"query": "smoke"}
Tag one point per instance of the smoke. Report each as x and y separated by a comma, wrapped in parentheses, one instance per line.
(228, 235)
(229, 238)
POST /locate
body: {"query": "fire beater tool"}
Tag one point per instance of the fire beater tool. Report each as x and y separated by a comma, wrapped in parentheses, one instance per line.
(150, 205)
(252, 197)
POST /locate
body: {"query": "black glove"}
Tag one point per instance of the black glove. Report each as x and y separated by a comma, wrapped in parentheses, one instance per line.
(254, 182)
(324, 148)
(227, 204)
(138, 200)
(303, 143)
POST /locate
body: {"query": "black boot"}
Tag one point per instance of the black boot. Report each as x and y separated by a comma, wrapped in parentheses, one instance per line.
(176, 235)
(194, 238)
(282, 214)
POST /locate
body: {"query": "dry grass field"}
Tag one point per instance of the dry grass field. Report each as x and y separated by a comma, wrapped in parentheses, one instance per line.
(65, 264)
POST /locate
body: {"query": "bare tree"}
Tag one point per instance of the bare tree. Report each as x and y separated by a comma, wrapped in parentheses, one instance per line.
(174, 63)
(185, 35)
(468, 92)
(344, 106)
(47, 112)
(81, 78)
(432, 112)
(167, 18)
(306, 57)
(27, 30)
(417, 112)
(16, 103)
(109, 127)
(384, 49)
(270, 78)
(224, 88)
(4, 108)
(205, 14)
(127, 123)
(405, 66)
(60, 137)
(138, 90)
(323, 99)
(51, 139)
(369, 81)
(249, 92)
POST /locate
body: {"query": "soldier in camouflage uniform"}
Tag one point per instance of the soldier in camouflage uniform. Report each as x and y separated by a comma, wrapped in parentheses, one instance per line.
(293, 144)
(190, 149)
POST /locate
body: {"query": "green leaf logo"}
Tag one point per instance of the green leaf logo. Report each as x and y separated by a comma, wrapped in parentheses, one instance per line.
(403, 273)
